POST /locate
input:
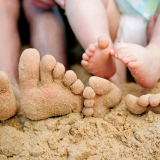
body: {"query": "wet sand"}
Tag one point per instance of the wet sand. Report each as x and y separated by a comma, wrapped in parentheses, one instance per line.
(119, 135)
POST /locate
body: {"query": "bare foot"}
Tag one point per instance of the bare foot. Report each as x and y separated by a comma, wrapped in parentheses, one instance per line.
(56, 94)
(142, 104)
(7, 100)
(100, 97)
(143, 63)
(97, 60)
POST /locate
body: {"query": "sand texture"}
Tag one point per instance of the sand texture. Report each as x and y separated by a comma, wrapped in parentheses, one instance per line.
(119, 135)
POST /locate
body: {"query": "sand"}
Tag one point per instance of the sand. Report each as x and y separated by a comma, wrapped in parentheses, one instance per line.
(119, 135)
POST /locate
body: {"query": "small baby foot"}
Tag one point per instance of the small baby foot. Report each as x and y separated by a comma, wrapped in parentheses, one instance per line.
(143, 63)
(56, 94)
(143, 103)
(100, 97)
(8, 106)
(97, 60)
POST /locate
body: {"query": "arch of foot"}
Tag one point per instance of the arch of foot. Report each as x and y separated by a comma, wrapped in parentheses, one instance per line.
(8, 106)
(143, 103)
(59, 92)
(100, 96)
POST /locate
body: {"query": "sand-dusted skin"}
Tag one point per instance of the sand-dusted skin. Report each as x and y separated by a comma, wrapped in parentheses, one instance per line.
(45, 89)
(100, 96)
(97, 59)
(8, 106)
(143, 103)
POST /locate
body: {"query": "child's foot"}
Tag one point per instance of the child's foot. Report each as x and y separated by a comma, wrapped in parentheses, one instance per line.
(100, 97)
(97, 60)
(7, 100)
(56, 94)
(142, 62)
(140, 105)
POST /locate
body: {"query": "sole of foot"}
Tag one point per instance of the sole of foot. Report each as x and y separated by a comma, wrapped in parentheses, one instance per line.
(8, 105)
(142, 62)
(97, 59)
(46, 90)
(143, 103)
(100, 96)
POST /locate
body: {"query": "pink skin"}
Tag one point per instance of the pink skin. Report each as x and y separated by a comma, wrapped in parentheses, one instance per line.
(61, 3)
(143, 63)
(97, 60)
(45, 4)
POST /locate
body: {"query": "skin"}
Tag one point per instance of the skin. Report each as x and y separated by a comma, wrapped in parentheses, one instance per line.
(9, 40)
(143, 103)
(46, 35)
(107, 24)
(143, 62)
(57, 93)
(100, 96)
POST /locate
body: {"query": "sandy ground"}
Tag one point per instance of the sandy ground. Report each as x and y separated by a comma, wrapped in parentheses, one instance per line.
(119, 135)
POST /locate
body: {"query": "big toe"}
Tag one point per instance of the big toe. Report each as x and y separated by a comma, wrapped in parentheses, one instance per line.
(103, 42)
(4, 81)
(133, 105)
(100, 85)
(7, 100)
(29, 68)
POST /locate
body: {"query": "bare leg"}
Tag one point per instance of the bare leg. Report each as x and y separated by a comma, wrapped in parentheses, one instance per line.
(47, 34)
(9, 39)
(96, 18)
(142, 62)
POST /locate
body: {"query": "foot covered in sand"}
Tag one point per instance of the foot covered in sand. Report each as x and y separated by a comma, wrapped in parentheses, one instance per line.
(100, 96)
(143, 63)
(143, 103)
(97, 60)
(45, 90)
(8, 106)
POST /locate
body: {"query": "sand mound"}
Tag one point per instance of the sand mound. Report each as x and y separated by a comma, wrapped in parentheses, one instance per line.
(120, 135)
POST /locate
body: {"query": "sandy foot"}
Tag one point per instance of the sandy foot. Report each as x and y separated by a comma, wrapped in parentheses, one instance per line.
(8, 106)
(143, 63)
(97, 60)
(56, 94)
(100, 97)
(143, 103)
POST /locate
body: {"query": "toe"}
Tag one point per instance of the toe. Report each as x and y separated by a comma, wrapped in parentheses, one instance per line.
(84, 63)
(69, 78)
(77, 87)
(133, 105)
(91, 48)
(29, 68)
(4, 82)
(89, 103)
(154, 100)
(7, 100)
(58, 71)
(103, 42)
(100, 85)
(48, 63)
(89, 54)
(88, 93)
(85, 57)
(143, 100)
(88, 111)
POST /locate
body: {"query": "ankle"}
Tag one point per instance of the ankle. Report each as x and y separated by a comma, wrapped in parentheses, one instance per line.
(154, 49)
